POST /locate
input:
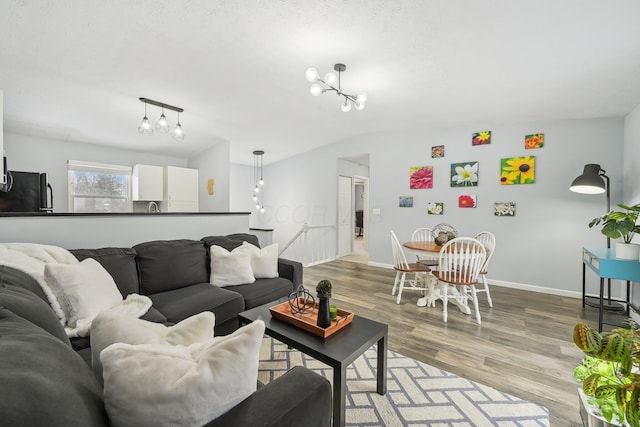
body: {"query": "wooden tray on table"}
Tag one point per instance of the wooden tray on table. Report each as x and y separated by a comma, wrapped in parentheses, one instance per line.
(307, 321)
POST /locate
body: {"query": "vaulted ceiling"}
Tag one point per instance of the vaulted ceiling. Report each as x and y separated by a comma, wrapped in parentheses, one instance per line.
(74, 70)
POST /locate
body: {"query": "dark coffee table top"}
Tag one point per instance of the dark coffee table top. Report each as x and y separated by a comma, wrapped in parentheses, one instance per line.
(342, 347)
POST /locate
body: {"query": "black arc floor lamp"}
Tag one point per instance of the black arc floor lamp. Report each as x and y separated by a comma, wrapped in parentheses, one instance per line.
(594, 180)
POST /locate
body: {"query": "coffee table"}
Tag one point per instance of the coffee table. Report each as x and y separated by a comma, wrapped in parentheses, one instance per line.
(338, 350)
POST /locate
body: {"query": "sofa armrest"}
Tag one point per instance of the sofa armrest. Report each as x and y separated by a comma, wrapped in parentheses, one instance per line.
(299, 394)
(291, 270)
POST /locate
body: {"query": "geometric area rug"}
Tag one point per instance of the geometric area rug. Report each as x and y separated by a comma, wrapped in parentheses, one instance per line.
(417, 394)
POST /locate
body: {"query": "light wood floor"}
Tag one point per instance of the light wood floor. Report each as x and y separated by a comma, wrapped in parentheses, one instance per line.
(524, 346)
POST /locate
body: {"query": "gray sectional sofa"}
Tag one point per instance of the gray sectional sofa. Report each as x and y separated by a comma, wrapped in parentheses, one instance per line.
(47, 379)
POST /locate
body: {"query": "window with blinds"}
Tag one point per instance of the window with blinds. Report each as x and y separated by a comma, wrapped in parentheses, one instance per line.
(98, 187)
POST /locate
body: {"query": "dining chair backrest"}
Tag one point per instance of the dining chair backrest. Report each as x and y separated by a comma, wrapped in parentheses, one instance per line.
(399, 260)
(488, 240)
(461, 260)
(422, 235)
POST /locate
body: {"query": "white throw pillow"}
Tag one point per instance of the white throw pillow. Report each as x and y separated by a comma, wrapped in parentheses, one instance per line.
(264, 262)
(230, 268)
(83, 289)
(161, 385)
(110, 327)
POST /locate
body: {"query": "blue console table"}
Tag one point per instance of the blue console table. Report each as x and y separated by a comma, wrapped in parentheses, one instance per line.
(604, 263)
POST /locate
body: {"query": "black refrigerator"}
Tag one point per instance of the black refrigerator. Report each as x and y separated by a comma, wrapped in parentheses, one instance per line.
(26, 192)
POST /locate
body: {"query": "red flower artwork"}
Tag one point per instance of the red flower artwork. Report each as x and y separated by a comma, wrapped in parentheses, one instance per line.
(467, 201)
(421, 177)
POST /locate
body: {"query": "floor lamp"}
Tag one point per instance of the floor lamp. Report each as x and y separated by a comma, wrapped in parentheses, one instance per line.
(594, 180)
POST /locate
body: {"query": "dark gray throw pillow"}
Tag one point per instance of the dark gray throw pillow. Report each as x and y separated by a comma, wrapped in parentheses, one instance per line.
(231, 241)
(29, 306)
(120, 263)
(164, 265)
(44, 382)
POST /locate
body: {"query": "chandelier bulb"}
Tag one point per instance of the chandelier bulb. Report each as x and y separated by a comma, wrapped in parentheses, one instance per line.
(346, 106)
(361, 97)
(316, 89)
(360, 105)
(262, 209)
(145, 127)
(331, 78)
(257, 189)
(255, 198)
(257, 205)
(162, 124)
(311, 74)
(261, 182)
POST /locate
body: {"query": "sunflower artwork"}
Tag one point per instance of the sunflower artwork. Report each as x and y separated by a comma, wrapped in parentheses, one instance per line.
(535, 140)
(467, 201)
(464, 174)
(481, 138)
(420, 177)
(518, 170)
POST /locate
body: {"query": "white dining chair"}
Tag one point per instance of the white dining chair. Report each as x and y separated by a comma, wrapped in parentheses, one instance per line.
(460, 262)
(425, 235)
(488, 240)
(416, 271)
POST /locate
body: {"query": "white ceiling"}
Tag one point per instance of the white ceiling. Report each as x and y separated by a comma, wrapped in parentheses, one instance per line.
(74, 69)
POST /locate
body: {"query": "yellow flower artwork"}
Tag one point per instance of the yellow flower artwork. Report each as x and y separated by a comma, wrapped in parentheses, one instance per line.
(518, 170)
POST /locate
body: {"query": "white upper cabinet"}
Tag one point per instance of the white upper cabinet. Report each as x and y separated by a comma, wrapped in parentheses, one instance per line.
(180, 189)
(147, 183)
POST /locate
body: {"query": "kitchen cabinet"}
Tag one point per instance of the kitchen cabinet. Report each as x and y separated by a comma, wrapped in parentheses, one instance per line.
(147, 183)
(180, 190)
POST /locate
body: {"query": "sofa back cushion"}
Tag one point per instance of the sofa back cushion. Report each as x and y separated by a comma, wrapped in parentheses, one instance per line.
(44, 382)
(120, 263)
(231, 241)
(164, 265)
(31, 307)
(15, 277)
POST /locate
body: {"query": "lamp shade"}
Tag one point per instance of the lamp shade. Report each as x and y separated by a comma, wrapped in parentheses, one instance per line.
(590, 182)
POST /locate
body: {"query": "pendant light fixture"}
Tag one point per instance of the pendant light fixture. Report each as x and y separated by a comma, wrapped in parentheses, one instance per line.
(162, 125)
(258, 191)
(328, 84)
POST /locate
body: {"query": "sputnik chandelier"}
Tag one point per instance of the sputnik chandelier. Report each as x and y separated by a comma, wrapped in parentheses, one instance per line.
(320, 86)
(162, 125)
(258, 180)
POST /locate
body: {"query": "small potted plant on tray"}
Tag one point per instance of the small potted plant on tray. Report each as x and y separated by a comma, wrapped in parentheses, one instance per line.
(609, 372)
(323, 289)
(616, 224)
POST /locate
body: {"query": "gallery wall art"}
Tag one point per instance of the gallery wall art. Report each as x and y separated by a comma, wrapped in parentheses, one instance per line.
(504, 209)
(467, 201)
(481, 138)
(406, 202)
(518, 170)
(437, 151)
(533, 141)
(420, 177)
(435, 208)
(464, 174)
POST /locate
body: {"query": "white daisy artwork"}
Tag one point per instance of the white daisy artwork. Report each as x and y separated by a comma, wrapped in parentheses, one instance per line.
(435, 208)
(504, 209)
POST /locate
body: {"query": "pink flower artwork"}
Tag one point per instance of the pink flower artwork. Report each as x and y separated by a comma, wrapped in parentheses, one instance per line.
(421, 177)
(467, 201)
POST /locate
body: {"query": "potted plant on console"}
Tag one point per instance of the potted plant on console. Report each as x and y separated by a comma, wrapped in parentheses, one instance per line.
(323, 289)
(616, 224)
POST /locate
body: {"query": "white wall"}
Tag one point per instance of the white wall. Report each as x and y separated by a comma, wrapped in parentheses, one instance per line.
(632, 158)
(213, 163)
(540, 246)
(33, 154)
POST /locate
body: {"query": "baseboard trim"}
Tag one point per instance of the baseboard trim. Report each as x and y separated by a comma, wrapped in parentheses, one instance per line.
(513, 285)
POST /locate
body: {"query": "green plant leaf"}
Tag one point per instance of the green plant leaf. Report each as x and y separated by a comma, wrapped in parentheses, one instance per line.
(590, 384)
(605, 391)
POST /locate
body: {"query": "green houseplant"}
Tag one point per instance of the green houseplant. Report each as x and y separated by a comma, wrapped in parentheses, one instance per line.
(619, 224)
(609, 372)
(323, 289)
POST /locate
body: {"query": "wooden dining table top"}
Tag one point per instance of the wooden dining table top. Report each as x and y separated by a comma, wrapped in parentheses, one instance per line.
(422, 246)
